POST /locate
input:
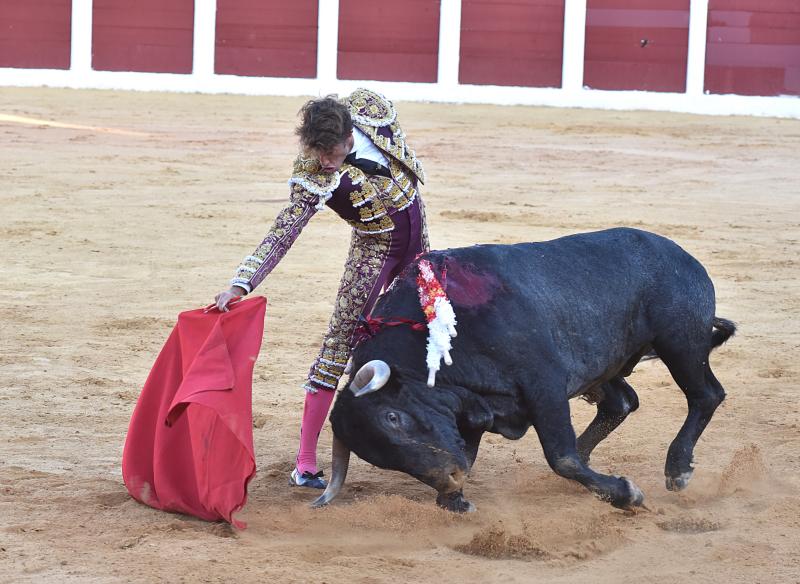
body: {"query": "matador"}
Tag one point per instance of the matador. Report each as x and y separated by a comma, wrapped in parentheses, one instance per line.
(355, 160)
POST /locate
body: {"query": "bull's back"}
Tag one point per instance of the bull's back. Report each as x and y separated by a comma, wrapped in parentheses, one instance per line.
(611, 264)
(588, 301)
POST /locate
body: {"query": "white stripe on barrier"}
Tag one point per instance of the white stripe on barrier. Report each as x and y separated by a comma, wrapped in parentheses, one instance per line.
(449, 42)
(574, 45)
(327, 46)
(205, 38)
(81, 34)
(696, 58)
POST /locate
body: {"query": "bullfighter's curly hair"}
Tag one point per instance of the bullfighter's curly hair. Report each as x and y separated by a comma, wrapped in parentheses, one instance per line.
(325, 122)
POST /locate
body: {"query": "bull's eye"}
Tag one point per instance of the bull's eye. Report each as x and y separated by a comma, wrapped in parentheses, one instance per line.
(393, 418)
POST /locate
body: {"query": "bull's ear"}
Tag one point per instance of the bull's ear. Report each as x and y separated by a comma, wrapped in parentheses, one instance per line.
(479, 418)
(475, 414)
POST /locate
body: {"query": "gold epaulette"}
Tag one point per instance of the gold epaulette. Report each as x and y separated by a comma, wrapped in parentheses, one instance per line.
(307, 173)
(370, 111)
(369, 108)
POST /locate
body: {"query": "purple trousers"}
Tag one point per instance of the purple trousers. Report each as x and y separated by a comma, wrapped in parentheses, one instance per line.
(374, 261)
(406, 243)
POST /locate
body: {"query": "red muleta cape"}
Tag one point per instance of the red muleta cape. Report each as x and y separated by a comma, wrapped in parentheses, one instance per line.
(190, 442)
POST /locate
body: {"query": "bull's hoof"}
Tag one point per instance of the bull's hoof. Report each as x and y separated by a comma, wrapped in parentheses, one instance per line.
(629, 497)
(636, 497)
(455, 502)
(679, 482)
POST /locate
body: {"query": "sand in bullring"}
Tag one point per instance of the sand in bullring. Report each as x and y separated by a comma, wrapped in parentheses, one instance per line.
(107, 236)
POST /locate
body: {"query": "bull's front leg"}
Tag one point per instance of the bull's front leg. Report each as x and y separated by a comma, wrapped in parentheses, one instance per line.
(472, 441)
(551, 419)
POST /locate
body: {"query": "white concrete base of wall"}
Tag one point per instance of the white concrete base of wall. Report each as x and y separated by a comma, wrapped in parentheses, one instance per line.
(788, 106)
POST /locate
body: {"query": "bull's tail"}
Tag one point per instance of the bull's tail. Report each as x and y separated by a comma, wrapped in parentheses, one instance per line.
(724, 329)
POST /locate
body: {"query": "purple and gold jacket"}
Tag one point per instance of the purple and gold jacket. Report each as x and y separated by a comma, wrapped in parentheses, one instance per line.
(366, 202)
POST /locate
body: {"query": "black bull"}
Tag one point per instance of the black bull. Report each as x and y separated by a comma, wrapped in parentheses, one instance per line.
(538, 324)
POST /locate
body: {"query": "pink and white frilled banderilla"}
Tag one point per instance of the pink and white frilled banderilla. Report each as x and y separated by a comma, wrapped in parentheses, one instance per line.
(440, 316)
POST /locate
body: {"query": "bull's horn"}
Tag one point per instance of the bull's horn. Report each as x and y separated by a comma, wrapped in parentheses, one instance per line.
(340, 460)
(371, 377)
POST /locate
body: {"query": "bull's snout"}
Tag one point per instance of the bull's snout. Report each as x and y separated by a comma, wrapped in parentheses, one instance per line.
(445, 480)
(455, 481)
(451, 497)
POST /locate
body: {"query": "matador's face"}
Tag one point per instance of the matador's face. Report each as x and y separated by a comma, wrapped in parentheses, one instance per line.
(331, 160)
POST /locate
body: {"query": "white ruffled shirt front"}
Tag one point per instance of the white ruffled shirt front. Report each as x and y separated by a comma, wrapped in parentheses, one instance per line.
(364, 148)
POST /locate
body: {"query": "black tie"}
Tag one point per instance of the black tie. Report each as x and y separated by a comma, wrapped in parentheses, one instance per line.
(367, 166)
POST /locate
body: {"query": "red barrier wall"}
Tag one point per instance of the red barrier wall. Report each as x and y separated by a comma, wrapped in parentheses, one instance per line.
(512, 43)
(146, 35)
(753, 47)
(35, 34)
(270, 38)
(389, 40)
(636, 44)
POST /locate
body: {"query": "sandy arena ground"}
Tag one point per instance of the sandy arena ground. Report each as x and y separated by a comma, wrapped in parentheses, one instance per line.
(107, 235)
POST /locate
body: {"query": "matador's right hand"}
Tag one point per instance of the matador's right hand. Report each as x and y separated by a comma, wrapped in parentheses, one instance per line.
(224, 298)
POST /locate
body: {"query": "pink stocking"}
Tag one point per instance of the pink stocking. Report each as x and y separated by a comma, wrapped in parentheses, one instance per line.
(315, 411)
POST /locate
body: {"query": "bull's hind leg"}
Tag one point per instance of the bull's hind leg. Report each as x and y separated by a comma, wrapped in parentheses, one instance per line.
(703, 395)
(618, 400)
(551, 419)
